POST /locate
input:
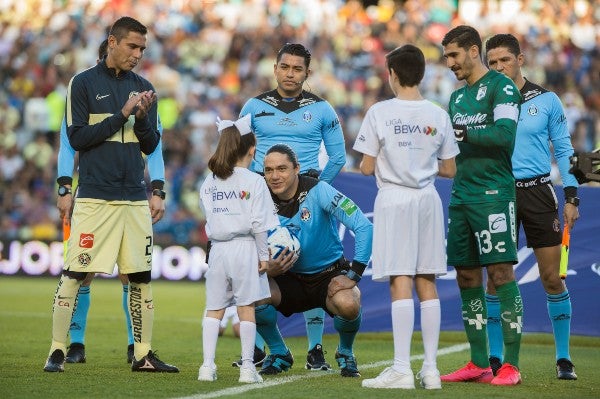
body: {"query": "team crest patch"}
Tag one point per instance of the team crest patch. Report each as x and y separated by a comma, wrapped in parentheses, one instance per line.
(481, 92)
(133, 94)
(304, 214)
(307, 116)
(84, 259)
(532, 110)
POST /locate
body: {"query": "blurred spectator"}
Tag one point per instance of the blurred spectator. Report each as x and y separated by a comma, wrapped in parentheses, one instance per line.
(212, 55)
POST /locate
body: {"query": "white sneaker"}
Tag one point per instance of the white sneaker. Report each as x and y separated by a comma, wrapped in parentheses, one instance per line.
(249, 375)
(207, 373)
(390, 378)
(430, 379)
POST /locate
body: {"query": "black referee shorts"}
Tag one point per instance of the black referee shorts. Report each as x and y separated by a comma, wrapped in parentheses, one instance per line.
(537, 211)
(301, 292)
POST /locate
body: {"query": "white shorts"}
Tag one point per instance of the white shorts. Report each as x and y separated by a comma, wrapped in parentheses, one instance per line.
(408, 233)
(232, 277)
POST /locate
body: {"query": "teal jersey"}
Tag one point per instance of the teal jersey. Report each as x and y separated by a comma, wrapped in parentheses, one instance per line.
(490, 110)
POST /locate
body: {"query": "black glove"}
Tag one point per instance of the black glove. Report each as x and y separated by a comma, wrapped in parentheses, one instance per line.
(460, 133)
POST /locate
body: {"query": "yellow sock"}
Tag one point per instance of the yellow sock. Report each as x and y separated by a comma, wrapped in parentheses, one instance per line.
(65, 299)
(141, 311)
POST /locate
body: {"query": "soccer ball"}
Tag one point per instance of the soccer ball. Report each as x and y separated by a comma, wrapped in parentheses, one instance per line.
(281, 237)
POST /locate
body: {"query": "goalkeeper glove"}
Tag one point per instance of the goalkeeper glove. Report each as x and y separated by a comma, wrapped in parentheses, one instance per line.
(460, 133)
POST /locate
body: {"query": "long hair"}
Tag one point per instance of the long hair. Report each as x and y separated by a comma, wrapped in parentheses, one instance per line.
(231, 147)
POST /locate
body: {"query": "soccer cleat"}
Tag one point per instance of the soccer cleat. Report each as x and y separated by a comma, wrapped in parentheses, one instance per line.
(315, 360)
(152, 363)
(507, 375)
(55, 362)
(129, 353)
(275, 364)
(495, 364)
(249, 375)
(259, 357)
(348, 367)
(430, 379)
(390, 378)
(76, 353)
(565, 370)
(207, 373)
(470, 373)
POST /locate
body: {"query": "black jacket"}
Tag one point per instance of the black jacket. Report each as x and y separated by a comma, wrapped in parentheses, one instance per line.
(110, 146)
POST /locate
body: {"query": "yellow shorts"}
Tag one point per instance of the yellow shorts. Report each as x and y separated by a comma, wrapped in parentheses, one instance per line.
(107, 232)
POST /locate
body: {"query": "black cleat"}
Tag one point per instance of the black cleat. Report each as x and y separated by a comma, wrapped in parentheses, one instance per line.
(565, 370)
(56, 362)
(129, 353)
(275, 364)
(76, 353)
(259, 357)
(152, 363)
(348, 367)
(315, 360)
(495, 364)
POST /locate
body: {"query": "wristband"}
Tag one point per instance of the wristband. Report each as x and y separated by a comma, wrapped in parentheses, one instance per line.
(353, 276)
(572, 200)
(159, 193)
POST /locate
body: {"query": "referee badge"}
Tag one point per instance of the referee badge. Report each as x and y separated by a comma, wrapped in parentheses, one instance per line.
(532, 110)
(304, 214)
(307, 116)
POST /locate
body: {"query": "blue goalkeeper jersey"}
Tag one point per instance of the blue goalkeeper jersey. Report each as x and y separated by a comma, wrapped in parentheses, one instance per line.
(66, 156)
(313, 215)
(301, 123)
(542, 120)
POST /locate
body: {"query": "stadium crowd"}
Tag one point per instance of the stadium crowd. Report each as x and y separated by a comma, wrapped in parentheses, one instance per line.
(206, 58)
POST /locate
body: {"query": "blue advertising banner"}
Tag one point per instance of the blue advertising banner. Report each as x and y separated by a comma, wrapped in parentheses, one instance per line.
(583, 278)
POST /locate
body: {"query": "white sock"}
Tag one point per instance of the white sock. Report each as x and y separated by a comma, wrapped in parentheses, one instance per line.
(431, 316)
(403, 320)
(248, 337)
(210, 334)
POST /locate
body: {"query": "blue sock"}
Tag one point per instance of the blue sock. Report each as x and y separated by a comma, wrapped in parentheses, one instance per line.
(79, 318)
(127, 317)
(314, 319)
(494, 327)
(266, 326)
(259, 342)
(559, 310)
(347, 330)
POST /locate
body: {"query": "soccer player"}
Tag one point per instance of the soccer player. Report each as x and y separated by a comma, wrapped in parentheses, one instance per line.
(321, 277)
(64, 203)
(291, 115)
(481, 214)
(111, 119)
(542, 120)
(401, 140)
(239, 213)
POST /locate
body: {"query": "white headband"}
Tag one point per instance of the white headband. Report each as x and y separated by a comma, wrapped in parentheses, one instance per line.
(242, 124)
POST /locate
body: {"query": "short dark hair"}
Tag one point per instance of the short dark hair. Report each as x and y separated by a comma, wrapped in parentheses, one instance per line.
(295, 49)
(464, 36)
(503, 40)
(124, 25)
(103, 49)
(286, 150)
(408, 63)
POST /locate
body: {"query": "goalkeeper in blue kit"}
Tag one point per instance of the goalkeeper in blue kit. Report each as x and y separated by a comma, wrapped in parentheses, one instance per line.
(291, 115)
(321, 277)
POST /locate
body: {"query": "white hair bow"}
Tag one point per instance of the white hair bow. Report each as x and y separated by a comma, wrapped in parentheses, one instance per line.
(242, 124)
